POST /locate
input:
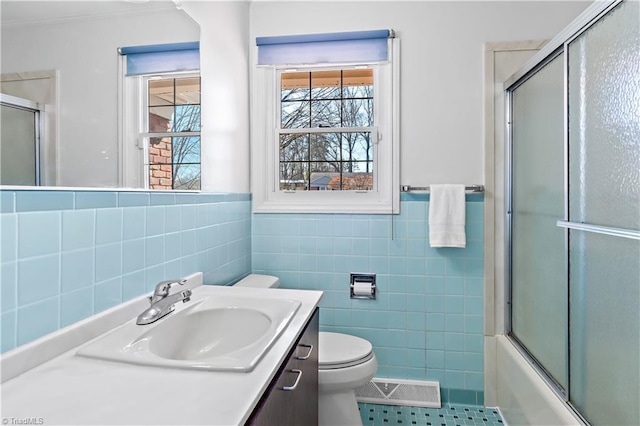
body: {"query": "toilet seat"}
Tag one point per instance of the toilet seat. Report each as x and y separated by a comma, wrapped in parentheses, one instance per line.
(339, 350)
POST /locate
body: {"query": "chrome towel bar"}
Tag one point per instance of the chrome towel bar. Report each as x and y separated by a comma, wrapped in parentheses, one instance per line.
(471, 188)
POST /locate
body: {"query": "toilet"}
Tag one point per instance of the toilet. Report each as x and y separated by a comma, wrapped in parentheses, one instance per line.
(345, 363)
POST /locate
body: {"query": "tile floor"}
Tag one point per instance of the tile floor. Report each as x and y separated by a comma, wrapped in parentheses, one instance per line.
(448, 415)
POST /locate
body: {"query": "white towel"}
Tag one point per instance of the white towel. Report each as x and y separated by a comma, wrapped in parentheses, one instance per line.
(446, 216)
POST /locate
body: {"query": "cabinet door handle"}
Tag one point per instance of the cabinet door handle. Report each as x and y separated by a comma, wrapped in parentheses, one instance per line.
(295, 384)
(308, 353)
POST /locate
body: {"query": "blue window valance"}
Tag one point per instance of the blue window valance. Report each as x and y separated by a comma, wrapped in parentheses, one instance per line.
(346, 47)
(162, 58)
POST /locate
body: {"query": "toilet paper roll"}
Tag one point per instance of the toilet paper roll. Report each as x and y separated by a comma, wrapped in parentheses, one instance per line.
(362, 289)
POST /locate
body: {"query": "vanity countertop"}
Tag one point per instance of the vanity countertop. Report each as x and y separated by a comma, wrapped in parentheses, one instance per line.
(73, 390)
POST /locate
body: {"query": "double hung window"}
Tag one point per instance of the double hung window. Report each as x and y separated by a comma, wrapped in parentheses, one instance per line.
(162, 114)
(324, 135)
(172, 132)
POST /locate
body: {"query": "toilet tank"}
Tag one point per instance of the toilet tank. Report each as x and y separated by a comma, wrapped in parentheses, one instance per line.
(258, 281)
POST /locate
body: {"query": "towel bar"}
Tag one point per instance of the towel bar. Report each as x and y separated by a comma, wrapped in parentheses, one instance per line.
(472, 188)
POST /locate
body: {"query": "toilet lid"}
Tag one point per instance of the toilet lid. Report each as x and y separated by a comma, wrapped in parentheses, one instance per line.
(337, 349)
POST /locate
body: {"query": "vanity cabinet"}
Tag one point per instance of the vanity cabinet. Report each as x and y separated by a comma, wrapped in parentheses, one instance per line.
(292, 396)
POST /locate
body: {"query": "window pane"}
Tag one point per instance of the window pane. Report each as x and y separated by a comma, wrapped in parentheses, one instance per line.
(332, 98)
(186, 149)
(326, 99)
(295, 86)
(186, 118)
(161, 92)
(323, 176)
(359, 181)
(326, 161)
(174, 106)
(358, 92)
(325, 113)
(325, 84)
(357, 147)
(329, 167)
(294, 94)
(295, 115)
(160, 150)
(357, 112)
(294, 147)
(357, 77)
(325, 147)
(160, 176)
(188, 90)
(174, 163)
(293, 175)
(160, 119)
(186, 176)
(160, 169)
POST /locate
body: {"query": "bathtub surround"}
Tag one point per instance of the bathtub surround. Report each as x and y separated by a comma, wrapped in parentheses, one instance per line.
(67, 255)
(426, 323)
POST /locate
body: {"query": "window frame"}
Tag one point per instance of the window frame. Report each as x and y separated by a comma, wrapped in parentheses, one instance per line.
(265, 160)
(134, 105)
(146, 136)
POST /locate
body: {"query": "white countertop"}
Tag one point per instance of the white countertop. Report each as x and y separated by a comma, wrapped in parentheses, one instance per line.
(72, 390)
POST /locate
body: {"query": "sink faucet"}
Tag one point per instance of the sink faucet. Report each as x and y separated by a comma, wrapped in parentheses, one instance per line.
(162, 303)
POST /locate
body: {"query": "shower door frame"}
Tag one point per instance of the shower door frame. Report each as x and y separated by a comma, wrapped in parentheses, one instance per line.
(557, 46)
(509, 88)
(35, 108)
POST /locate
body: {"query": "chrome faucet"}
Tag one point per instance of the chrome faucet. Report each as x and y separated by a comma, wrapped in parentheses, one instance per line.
(162, 303)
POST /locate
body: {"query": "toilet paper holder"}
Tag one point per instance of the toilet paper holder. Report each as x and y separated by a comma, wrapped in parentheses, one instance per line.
(362, 286)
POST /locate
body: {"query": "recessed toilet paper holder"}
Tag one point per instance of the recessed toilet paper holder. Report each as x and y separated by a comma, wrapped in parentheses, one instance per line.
(362, 286)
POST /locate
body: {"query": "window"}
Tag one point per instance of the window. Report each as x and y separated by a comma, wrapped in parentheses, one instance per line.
(172, 132)
(335, 144)
(161, 116)
(327, 131)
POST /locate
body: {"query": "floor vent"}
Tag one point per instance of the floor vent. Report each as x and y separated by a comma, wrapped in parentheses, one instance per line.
(414, 393)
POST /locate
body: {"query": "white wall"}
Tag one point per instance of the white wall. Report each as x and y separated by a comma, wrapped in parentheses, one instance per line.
(85, 53)
(441, 62)
(224, 69)
(441, 66)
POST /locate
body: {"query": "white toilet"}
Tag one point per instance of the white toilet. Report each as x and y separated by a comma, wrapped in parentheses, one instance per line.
(344, 363)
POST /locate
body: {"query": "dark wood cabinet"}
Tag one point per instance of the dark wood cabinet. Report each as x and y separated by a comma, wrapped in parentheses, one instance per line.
(292, 396)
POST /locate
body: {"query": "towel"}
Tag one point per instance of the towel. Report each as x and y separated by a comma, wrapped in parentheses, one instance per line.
(446, 216)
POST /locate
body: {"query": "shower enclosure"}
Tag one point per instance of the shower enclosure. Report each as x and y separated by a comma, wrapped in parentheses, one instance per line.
(19, 141)
(573, 213)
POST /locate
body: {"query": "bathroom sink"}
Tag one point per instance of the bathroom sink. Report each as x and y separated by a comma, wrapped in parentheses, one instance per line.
(211, 332)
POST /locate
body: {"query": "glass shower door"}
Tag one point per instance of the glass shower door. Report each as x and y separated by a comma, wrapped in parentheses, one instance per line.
(575, 289)
(604, 218)
(538, 261)
(19, 153)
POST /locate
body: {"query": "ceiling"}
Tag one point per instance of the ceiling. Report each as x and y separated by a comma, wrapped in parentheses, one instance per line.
(19, 13)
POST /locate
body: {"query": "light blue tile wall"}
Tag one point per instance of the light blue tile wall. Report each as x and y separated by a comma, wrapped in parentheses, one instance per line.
(427, 322)
(66, 255)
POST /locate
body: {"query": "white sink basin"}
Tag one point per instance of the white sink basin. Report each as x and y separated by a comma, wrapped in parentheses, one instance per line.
(211, 332)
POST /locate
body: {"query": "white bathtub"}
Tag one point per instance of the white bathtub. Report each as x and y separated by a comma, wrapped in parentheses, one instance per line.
(520, 393)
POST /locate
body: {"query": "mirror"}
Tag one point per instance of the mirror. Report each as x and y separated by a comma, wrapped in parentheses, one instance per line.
(61, 58)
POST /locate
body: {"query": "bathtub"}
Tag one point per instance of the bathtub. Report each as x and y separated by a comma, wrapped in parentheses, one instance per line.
(520, 393)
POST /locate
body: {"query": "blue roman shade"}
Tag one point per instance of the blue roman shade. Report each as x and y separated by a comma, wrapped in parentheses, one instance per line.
(162, 58)
(348, 47)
